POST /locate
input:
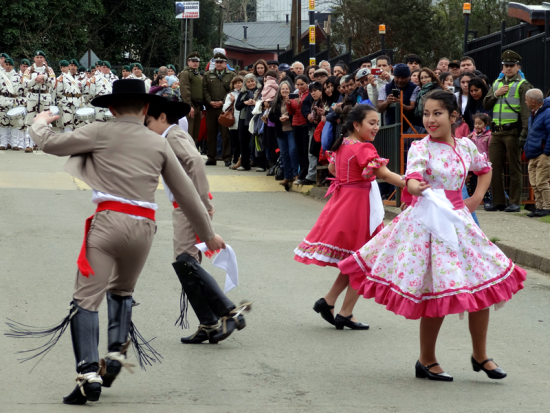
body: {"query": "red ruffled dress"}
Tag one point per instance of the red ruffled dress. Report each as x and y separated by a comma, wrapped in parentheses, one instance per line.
(344, 224)
(414, 271)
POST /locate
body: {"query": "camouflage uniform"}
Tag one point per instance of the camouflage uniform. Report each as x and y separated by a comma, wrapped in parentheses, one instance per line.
(69, 99)
(100, 85)
(144, 78)
(10, 90)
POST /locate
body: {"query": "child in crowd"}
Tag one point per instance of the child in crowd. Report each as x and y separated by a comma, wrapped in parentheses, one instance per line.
(481, 136)
(170, 88)
(269, 91)
(432, 260)
(355, 212)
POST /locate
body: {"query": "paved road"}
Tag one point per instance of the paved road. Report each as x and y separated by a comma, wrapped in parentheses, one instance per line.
(287, 359)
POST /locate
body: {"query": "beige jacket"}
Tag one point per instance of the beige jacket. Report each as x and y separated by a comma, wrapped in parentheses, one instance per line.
(124, 158)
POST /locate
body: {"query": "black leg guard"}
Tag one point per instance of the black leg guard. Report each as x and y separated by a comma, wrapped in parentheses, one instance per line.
(85, 337)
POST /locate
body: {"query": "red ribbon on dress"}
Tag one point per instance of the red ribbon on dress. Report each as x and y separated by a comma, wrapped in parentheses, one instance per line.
(82, 262)
(336, 184)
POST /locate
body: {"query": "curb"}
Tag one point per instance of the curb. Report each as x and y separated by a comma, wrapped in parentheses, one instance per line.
(518, 256)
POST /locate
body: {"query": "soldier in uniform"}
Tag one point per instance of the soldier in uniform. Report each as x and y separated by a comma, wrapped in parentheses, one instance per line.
(171, 70)
(137, 73)
(39, 81)
(69, 96)
(3, 57)
(73, 68)
(101, 85)
(126, 71)
(10, 89)
(191, 93)
(510, 120)
(23, 66)
(216, 85)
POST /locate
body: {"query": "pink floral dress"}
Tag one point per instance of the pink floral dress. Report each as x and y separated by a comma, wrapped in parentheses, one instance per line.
(344, 224)
(414, 273)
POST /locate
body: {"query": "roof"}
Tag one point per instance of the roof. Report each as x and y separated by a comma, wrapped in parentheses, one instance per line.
(260, 35)
(528, 13)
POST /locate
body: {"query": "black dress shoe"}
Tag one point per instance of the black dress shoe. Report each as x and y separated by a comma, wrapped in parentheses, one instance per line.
(496, 374)
(542, 213)
(305, 182)
(423, 372)
(534, 213)
(211, 163)
(203, 334)
(513, 208)
(229, 325)
(340, 322)
(323, 308)
(494, 208)
(85, 390)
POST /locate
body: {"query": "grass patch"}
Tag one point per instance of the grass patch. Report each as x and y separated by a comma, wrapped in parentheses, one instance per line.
(307, 193)
(494, 240)
(545, 219)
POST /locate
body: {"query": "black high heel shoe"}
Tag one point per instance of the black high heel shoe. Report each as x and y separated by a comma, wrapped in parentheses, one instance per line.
(340, 322)
(323, 308)
(496, 374)
(423, 372)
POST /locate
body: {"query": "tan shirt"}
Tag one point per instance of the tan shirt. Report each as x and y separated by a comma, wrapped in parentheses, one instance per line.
(124, 158)
(191, 160)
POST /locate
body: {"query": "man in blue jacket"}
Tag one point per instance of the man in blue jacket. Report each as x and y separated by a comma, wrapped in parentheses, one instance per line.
(537, 150)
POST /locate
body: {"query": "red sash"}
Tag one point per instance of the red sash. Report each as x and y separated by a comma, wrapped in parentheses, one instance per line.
(82, 262)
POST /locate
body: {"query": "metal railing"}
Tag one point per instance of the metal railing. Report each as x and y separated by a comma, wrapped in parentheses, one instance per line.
(356, 64)
(387, 144)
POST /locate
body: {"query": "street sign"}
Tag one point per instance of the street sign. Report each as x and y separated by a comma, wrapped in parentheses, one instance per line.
(187, 10)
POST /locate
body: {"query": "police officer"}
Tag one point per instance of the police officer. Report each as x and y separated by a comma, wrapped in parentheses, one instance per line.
(191, 93)
(510, 120)
(216, 85)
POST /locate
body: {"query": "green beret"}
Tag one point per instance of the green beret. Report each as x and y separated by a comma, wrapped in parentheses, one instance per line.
(63, 63)
(25, 62)
(82, 69)
(155, 71)
(171, 67)
(40, 53)
(220, 56)
(138, 65)
(73, 62)
(8, 61)
(88, 70)
(194, 56)
(127, 68)
(105, 63)
(4, 55)
(509, 56)
(98, 63)
(113, 71)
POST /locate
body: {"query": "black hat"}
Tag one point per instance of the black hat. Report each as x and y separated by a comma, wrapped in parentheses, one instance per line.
(273, 62)
(171, 108)
(454, 63)
(194, 56)
(509, 56)
(413, 58)
(127, 89)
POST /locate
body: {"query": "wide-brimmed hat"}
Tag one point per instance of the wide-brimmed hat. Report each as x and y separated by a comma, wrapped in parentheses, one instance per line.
(170, 108)
(127, 89)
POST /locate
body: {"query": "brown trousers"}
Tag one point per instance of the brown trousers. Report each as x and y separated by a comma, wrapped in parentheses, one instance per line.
(504, 145)
(539, 177)
(212, 115)
(117, 248)
(195, 124)
(184, 236)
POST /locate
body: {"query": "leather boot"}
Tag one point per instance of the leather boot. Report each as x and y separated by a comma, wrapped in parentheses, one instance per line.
(85, 337)
(119, 310)
(237, 165)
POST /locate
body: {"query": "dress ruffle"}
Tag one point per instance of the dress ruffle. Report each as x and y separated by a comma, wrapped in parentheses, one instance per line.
(439, 304)
(320, 254)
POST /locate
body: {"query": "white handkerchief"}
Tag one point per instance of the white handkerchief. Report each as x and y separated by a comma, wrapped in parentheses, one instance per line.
(436, 213)
(227, 261)
(376, 207)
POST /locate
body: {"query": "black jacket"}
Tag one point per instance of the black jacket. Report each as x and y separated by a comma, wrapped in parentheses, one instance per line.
(274, 115)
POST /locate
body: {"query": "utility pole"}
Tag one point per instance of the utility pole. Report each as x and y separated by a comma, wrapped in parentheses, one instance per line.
(312, 32)
(293, 27)
(222, 8)
(466, 10)
(299, 26)
(182, 45)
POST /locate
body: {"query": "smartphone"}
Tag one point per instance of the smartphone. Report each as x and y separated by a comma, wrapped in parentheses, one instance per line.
(376, 72)
(451, 88)
(395, 93)
(293, 96)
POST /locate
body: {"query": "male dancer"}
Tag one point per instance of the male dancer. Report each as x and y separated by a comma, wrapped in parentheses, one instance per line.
(217, 315)
(121, 161)
(69, 94)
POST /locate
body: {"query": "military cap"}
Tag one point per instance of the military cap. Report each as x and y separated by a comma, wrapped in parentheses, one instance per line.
(454, 63)
(413, 58)
(73, 62)
(273, 62)
(40, 53)
(82, 69)
(171, 67)
(25, 62)
(88, 70)
(194, 56)
(155, 71)
(8, 61)
(138, 65)
(127, 68)
(220, 56)
(105, 63)
(4, 55)
(63, 63)
(509, 56)
(113, 71)
(98, 63)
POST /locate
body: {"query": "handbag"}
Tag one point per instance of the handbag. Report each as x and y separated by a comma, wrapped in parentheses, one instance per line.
(227, 118)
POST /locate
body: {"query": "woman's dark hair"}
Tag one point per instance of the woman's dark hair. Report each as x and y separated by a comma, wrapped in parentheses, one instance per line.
(303, 78)
(306, 72)
(235, 80)
(432, 75)
(289, 77)
(484, 78)
(486, 119)
(416, 71)
(462, 75)
(315, 86)
(357, 114)
(354, 74)
(342, 65)
(443, 76)
(447, 98)
(260, 62)
(329, 100)
(273, 74)
(480, 84)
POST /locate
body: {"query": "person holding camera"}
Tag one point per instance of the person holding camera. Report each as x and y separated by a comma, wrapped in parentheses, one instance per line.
(510, 121)
(390, 94)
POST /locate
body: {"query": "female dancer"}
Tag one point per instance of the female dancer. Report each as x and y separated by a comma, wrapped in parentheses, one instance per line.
(417, 268)
(353, 214)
